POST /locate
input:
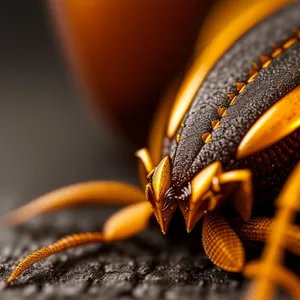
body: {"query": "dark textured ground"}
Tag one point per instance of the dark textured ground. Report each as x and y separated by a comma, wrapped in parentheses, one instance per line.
(149, 266)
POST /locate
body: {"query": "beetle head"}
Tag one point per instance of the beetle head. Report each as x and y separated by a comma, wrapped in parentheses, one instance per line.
(159, 193)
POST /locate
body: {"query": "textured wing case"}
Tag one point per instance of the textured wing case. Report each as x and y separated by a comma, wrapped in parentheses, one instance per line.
(190, 154)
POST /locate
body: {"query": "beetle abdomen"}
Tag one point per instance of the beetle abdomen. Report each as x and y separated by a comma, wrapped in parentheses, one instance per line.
(229, 100)
(269, 86)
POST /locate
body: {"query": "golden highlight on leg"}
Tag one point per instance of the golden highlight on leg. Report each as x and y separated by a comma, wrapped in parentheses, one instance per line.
(126, 223)
(258, 229)
(283, 277)
(63, 244)
(145, 165)
(221, 244)
(264, 271)
(93, 192)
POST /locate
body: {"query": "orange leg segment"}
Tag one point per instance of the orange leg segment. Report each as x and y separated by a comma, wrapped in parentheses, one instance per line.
(264, 271)
(124, 224)
(93, 192)
(279, 275)
(221, 244)
(259, 229)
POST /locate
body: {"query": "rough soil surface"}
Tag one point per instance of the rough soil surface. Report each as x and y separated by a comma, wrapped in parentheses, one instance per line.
(149, 266)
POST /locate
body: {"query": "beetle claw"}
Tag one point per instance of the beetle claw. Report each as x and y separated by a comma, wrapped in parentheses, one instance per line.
(193, 217)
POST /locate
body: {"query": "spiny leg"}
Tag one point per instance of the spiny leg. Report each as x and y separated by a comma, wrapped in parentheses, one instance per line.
(124, 224)
(221, 244)
(93, 192)
(259, 229)
(287, 206)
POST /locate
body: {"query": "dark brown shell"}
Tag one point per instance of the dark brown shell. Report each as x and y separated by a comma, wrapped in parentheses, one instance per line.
(270, 167)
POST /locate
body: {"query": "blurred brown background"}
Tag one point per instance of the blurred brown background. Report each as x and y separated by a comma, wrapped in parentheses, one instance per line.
(48, 135)
(127, 52)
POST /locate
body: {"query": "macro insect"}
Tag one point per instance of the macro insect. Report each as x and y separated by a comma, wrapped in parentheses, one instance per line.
(228, 143)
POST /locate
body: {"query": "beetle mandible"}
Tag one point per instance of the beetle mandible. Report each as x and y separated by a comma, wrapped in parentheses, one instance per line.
(231, 139)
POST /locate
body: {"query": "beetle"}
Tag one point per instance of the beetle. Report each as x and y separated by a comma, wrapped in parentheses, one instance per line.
(229, 142)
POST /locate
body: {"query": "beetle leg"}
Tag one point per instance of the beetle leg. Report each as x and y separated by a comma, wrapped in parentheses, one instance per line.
(258, 229)
(208, 190)
(221, 244)
(94, 192)
(124, 224)
(261, 290)
(242, 197)
(287, 206)
(145, 165)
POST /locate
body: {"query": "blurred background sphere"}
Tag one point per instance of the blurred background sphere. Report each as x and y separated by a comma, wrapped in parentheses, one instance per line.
(126, 52)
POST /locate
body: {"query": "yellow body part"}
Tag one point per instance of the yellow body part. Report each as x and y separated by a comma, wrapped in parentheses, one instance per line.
(244, 180)
(207, 193)
(94, 192)
(219, 44)
(127, 222)
(221, 244)
(264, 271)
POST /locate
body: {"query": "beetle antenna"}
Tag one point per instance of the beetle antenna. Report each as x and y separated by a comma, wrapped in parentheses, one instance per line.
(71, 241)
(93, 192)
